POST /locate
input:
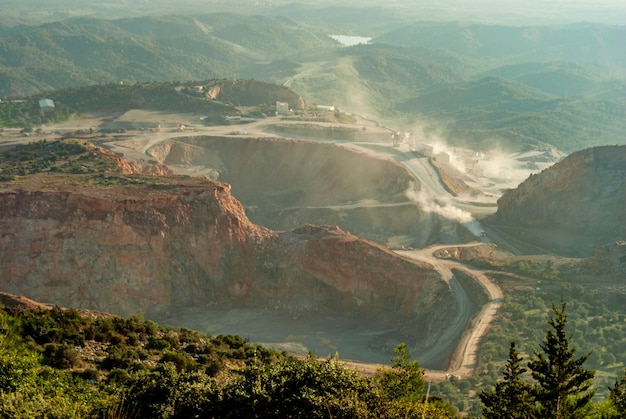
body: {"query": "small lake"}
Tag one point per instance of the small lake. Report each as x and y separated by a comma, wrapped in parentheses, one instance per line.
(349, 40)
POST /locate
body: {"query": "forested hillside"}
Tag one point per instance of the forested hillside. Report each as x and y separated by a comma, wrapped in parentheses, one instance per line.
(472, 84)
(65, 363)
(88, 51)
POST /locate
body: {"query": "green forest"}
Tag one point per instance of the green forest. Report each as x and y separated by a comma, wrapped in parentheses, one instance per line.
(596, 326)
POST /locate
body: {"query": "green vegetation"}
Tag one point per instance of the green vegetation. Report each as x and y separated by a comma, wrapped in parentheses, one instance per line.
(511, 396)
(563, 384)
(594, 45)
(74, 162)
(457, 81)
(617, 398)
(26, 114)
(73, 157)
(57, 363)
(516, 113)
(562, 388)
(596, 322)
(86, 51)
(258, 99)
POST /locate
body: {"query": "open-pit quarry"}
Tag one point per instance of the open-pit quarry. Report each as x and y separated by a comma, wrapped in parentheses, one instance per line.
(385, 193)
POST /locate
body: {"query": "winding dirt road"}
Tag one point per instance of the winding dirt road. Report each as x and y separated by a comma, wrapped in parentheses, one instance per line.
(459, 343)
(464, 357)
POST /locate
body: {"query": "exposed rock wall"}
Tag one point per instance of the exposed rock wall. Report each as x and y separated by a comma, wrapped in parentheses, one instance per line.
(164, 247)
(573, 207)
(121, 252)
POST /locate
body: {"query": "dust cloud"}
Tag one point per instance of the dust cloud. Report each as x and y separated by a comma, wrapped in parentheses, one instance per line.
(428, 203)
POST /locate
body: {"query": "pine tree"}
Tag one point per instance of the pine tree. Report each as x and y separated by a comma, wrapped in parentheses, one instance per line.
(617, 396)
(511, 397)
(563, 386)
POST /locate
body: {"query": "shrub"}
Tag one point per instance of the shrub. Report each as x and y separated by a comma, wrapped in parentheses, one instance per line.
(181, 360)
(60, 356)
(120, 358)
(157, 344)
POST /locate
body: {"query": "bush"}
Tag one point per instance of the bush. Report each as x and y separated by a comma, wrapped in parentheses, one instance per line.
(60, 356)
(88, 374)
(234, 342)
(212, 363)
(120, 358)
(157, 344)
(118, 375)
(181, 361)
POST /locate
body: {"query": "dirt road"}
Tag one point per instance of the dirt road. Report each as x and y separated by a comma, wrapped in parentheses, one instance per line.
(463, 358)
(464, 334)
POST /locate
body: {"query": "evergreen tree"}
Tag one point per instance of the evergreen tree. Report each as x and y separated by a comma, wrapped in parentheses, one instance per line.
(563, 387)
(405, 380)
(617, 396)
(511, 397)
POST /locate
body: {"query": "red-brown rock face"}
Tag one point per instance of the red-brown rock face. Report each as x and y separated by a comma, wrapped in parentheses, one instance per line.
(572, 207)
(185, 242)
(122, 250)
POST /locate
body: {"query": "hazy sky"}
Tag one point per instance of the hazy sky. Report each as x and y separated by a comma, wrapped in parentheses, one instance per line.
(493, 11)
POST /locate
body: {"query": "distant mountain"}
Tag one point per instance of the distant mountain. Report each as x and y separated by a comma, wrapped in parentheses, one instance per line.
(89, 51)
(562, 79)
(481, 85)
(472, 84)
(479, 111)
(372, 79)
(411, 69)
(571, 208)
(271, 37)
(601, 46)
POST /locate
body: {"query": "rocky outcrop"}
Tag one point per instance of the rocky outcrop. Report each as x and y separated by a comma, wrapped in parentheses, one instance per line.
(160, 245)
(120, 249)
(571, 208)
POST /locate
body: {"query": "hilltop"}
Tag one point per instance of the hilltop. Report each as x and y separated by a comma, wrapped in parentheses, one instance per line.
(570, 208)
(212, 101)
(143, 49)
